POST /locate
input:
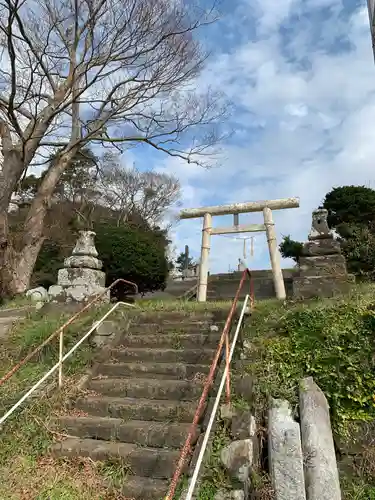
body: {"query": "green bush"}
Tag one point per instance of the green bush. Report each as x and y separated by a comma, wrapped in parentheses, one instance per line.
(49, 261)
(350, 205)
(133, 254)
(291, 249)
(130, 252)
(359, 250)
(331, 341)
(351, 213)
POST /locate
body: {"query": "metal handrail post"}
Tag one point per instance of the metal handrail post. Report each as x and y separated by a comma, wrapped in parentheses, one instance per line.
(56, 332)
(215, 407)
(186, 449)
(61, 353)
(57, 365)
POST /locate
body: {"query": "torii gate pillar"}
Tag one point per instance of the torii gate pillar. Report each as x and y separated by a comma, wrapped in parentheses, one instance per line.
(269, 227)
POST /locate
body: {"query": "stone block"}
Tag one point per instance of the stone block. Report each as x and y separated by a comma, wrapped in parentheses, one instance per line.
(207, 415)
(227, 412)
(322, 265)
(308, 287)
(83, 261)
(5, 329)
(243, 425)
(285, 453)
(38, 294)
(230, 495)
(326, 246)
(86, 277)
(321, 473)
(347, 465)
(104, 333)
(238, 459)
(244, 387)
(56, 293)
(82, 293)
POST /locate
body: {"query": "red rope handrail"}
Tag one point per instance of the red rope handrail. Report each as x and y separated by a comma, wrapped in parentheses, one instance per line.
(67, 323)
(186, 449)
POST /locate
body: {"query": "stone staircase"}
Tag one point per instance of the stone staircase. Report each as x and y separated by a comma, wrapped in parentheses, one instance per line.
(142, 398)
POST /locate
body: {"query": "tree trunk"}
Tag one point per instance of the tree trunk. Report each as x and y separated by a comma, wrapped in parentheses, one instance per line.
(21, 264)
(5, 256)
(9, 174)
(23, 267)
(16, 158)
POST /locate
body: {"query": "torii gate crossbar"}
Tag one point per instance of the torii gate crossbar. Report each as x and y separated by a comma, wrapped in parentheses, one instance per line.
(235, 209)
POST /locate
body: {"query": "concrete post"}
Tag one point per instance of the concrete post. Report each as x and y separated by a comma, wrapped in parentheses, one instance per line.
(205, 251)
(321, 474)
(278, 279)
(285, 453)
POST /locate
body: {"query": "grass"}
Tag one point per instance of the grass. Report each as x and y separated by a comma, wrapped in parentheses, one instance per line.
(215, 476)
(182, 305)
(333, 341)
(19, 301)
(26, 469)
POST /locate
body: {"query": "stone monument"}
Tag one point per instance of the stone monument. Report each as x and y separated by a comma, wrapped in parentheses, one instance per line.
(81, 277)
(322, 269)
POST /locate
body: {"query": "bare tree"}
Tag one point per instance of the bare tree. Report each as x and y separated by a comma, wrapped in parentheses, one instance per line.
(128, 190)
(112, 72)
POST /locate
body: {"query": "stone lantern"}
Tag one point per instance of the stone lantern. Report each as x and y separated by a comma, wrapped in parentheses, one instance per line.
(322, 268)
(81, 277)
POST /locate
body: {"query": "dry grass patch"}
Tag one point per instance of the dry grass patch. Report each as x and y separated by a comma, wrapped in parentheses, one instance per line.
(27, 471)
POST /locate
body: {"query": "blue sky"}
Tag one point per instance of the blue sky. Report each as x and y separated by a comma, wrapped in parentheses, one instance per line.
(301, 76)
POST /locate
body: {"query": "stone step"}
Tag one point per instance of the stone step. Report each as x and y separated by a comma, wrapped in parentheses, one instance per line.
(137, 409)
(15, 313)
(6, 325)
(141, 432)
(189, 356)
(156, 463)
(174, 340)
(158, 370)
(181, 390)
(144, 488)
(171, 316)
(178, 326)
(9, 320)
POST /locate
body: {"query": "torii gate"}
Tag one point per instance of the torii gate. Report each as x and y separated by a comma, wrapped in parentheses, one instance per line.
(235, 209)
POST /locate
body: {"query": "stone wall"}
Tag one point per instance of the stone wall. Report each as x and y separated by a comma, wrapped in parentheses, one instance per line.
(224, 286)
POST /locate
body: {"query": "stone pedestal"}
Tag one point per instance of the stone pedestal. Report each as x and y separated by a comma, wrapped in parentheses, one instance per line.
(81, 278)
(322, 269)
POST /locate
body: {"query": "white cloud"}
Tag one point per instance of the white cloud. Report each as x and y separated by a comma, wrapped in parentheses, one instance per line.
(271, 13)
(302, 129)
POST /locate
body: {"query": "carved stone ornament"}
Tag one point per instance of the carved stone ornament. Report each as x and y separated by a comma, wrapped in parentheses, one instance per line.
(85, 244)
(319, 227)
(81, 278)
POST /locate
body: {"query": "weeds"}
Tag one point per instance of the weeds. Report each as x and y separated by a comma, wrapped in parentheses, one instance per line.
(182, 306)
(215, 477)
(26, 469)
(331, 340)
